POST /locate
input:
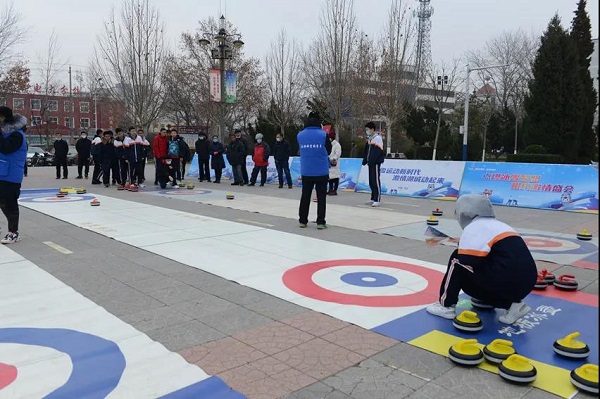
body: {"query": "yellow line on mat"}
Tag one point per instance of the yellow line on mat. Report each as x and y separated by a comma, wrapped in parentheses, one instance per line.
(257, 223)
(58, 247)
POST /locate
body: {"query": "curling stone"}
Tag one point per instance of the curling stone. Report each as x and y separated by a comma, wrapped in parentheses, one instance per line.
(133, 188)
(437, 212)
(566, 282)
(467, 321)
(230, 196)
(466, 353)
(548, 276)
(498, 350)
(181, 184)
(517, 369)
(95, 202)
(584, 235)
(81, 191)
(585, 378)
(60, 194)
(540, 283)
(120, 187)
(432, 221)
(570, 347)
(190, 186)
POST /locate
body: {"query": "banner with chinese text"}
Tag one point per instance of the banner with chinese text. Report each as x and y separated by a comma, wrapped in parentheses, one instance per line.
(230, 87)
(418, 179)
(528, 185)
(214, 80)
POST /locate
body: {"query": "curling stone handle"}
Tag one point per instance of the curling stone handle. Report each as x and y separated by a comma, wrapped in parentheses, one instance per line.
(502, 342)
(589, 369)
(571, 337)
(567, 277)
(518, 359)
(469, 314)
(466, 343)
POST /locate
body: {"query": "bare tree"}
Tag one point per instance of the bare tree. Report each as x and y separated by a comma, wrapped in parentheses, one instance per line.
(11, 33)
(442, 84)
(130, 59)
(284, 81)
(327, 63)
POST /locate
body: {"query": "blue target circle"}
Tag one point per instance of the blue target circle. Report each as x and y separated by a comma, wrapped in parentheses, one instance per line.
(369, 279)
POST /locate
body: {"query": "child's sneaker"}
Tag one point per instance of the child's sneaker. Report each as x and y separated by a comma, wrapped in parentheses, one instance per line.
(10, 238)
(437, 309)
(514, 313)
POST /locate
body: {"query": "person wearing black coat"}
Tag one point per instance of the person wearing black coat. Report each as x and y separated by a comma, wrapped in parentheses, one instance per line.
(83, 146)
(203, 151)
(281, 156)
(236, 155)
(184, 155)
(216, 161)
(107, 154)
(61, 149)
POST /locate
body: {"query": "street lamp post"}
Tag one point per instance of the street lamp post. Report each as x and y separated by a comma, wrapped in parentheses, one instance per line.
(466, 119)
(222, 51)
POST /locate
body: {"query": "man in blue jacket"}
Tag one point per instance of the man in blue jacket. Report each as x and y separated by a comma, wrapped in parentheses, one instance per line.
(314, 167)
(374, 157)
(13, 154)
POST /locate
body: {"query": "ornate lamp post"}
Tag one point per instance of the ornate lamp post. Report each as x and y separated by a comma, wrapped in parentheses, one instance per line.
(223, 45)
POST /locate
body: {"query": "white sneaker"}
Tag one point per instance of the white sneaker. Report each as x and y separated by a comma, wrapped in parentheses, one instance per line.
(10, 238)
(142, 186)
(437, 309)
(514, 313)
(369, 203)
(375, 204)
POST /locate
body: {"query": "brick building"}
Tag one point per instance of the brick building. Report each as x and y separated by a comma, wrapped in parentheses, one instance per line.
(69, 115)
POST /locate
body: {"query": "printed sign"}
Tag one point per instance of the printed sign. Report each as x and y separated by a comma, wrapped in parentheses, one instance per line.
(214, 79)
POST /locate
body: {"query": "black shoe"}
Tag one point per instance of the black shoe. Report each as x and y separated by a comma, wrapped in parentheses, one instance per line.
(208, 181)
(65, 177)
(251, 185)
(281, 186)
(86, 176)
(58, 178)
(217, 181)
(235, 184)
(290, 186)
(200, 180)
(79, 177)
(262, 184)
(94, 181)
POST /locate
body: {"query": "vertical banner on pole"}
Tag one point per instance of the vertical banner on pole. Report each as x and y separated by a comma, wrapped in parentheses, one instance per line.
(230, 87)
(214, 79)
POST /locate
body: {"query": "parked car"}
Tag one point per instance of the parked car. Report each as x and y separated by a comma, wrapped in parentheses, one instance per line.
(36, 156)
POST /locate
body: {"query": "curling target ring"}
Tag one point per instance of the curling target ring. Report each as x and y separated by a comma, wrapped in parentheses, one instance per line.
(54, 200)
(301, 280)
(182, 191)
(554, 245)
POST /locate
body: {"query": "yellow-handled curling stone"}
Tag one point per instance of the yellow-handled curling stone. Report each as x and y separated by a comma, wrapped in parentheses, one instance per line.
(467, 321)
(566, 282)
(432, 221)
(466, 353)
(81, 191)
(190, 186)
(229, 196)
(181, 184)
(498, 350)
(570, 347)
(585, 378)
(437, 212)
(517, 369)
(584, 235)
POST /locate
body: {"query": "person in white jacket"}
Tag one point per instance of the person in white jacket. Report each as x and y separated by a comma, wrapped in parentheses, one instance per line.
(135, 155)
(334, 163)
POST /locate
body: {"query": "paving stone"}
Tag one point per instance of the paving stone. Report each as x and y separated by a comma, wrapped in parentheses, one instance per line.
(221, 355)
(203, 305)
(204, 281)
(474, 383)
(273, 337)
(120, 299)
(152, 319)
(176, 293)
(432, 391)
(184, 335)
(319, 358)
(317, 391)
(314, 323)
(359, 340)
(591, 288)
(417, 361)
(275, 308)
(123, 270)
(242, 295)
(234, 320)
(154, 283)
(535, 393)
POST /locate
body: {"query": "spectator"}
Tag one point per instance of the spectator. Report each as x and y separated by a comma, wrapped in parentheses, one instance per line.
(107, 152)
(244, 171)
(184, 155)
(159, 148)
(281, 156)
(260, 157)
(61, 149)
(216, 161)
(120, 154)
(374, 157)
(95, 152)
(236, 155)
(203, 150)
(334, 163)
(13, 156)
(145, 151)
(83, 147)
(135, 152)
(174, 154)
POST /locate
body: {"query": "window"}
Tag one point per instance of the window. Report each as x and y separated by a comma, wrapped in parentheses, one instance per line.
(18, 103)
(52, 105)
(36, 120)
(84, 107)
(36, 104)
(53, 120)
(69, 122)
(69, 106)
(84, 123)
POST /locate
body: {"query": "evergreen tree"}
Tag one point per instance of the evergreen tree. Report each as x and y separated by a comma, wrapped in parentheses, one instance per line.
(553, 103)
(582, 37)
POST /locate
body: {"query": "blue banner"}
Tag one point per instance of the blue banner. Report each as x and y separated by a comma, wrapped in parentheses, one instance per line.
(528, 185)
(349, 171)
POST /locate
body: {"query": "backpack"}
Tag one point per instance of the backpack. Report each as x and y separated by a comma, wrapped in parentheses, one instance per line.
(173, 150)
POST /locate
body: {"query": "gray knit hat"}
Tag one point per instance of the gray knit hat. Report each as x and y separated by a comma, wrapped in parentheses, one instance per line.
(471, 206)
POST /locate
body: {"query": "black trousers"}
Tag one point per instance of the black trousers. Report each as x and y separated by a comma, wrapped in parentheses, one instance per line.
(9, 204)
(61, 162)
(106, 166)
(263, 174)
(83, 162)
(135, 172)
(176, 171)
(218, 173)
(283, 167)
(116, 171)
(375, 182)
(244, 172)
(203, 169)
(319, 183)
(334, 184)
(97, 172)
(123, 171)
(183, 163)
(143, 170)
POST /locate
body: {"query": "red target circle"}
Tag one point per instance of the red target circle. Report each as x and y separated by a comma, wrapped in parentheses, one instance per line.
(535, 242)
(299, 279)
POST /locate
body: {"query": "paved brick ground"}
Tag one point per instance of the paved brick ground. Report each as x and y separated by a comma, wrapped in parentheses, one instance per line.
(261, 345)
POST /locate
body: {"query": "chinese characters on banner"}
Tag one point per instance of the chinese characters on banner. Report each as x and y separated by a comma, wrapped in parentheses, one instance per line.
(214, 79)
(230, 87)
